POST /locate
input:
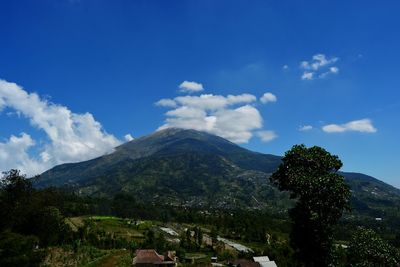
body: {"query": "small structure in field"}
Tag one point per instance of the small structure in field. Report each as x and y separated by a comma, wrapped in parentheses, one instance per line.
(234, 245)
(150, 258)
(264, 261)
(261, 261)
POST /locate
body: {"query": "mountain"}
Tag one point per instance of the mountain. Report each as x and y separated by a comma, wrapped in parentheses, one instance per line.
(192, 168)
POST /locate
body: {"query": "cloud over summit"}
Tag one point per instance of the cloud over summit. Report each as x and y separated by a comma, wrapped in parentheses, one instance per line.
(233, 117)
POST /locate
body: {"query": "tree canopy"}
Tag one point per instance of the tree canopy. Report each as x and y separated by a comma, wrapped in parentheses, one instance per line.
(311, 176)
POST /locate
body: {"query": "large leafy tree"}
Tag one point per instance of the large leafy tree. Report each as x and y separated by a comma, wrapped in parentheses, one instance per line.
(311, 176)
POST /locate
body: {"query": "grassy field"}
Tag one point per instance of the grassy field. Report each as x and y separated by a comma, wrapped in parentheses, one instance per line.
(117, 258)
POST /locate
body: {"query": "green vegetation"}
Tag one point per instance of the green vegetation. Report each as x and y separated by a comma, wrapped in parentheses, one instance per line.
(368, 249)
(134, 203)
(321, 194)
(90, 240)
(196, 170)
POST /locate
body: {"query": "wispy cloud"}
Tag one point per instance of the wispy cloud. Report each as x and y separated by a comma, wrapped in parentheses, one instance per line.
(305, 128)
(319, 66)
(72, 136)
(267, 136)
(364, 126)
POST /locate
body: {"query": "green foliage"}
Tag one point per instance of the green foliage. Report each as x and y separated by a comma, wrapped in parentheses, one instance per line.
(280, 252)
(19, 250)
(198, 170)
(91, 234)
(39, 213)
(367, 249)
(157, 240)
(321, 194)
(15, 199)
(122, 204)
(28, 211)
(49, 225)
(29, 221)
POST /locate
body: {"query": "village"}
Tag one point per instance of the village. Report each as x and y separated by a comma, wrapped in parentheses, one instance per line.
(150, 257)
(172, 244)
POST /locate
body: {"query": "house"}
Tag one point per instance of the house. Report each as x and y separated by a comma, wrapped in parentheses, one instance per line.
(150, 258)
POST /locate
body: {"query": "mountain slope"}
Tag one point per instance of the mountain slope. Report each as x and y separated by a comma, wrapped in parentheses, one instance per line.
(174, 165)
(187, 167)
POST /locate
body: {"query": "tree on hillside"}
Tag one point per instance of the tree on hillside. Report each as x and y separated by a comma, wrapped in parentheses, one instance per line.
(16, 193)
(367, 249)
(27, 211)
(321, 194)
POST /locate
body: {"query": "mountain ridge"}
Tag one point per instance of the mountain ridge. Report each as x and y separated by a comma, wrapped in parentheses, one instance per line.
(188, 167)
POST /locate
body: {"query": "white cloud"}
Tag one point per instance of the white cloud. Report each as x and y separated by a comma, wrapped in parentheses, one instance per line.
(71, 136)
(334, 69)
(305, 128)
(232, 117)
(165, 102)
(128, 137)
(237, 124)
(307, 75)
(214, 102)
(190, 87)
(267, 136)
(318, 61)
(285, 67)
(318, 67)
(14, 154)
(268, 97)
(238, 99)
(364, 126)
(186, 112)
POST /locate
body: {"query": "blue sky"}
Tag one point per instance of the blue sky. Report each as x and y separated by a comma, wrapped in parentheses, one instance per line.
(101, 66)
